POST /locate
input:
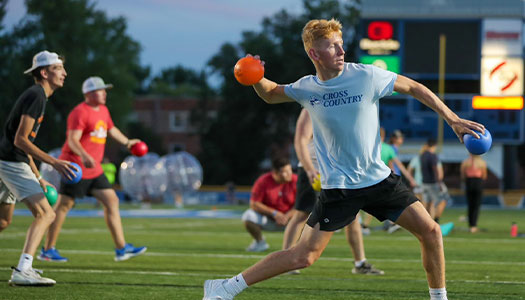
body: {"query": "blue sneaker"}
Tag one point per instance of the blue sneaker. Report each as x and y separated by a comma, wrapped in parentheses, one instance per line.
(51, 255)
(128, 252)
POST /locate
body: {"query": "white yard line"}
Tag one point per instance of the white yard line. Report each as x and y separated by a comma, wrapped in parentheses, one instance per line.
(256, 256)
(215, 275)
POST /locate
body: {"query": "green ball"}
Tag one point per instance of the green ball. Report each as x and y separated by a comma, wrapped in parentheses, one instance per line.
(51, 195)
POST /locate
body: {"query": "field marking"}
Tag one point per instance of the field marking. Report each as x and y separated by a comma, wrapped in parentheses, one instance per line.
(255, 256)
(166, 273)
(140, 229)
(160, 273)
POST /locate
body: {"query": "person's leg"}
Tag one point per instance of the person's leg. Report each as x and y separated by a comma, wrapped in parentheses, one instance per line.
(426, 198)
(309, 248)
(294, 228)
(476, 205)
(110, 201)
(416, 220)
(6, 215)
(367, 220)
(63, 206)
(44, 216)
(255, 223)
(254, 230)
(440, 208)
(354, 236)
(471, 206)
(355, 239)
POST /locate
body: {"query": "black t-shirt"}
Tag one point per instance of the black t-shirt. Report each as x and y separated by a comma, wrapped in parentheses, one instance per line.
(429, 162)
(32, 102)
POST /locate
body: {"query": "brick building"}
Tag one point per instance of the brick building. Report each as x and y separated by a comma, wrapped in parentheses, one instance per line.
(170, 118)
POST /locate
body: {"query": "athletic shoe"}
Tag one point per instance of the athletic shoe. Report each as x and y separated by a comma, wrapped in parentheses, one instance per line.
(214, 290)
(367, 269)
(256, 246)
(128, 252)
(29, 277)
(393, 228)
(51, 255)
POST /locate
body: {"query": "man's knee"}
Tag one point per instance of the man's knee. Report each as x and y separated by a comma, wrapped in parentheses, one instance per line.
(4, 223)
(50, 215)
(432, 232)
(304, 258)
(46, 215)
(65, 203)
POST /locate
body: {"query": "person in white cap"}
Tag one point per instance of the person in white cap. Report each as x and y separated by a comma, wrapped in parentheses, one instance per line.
(19, 177)
(88, 126)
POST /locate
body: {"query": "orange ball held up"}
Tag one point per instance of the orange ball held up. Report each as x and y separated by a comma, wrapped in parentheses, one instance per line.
(248, 70)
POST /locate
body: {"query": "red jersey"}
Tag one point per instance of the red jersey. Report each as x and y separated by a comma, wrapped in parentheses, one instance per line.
(275, 195)
(94, 125)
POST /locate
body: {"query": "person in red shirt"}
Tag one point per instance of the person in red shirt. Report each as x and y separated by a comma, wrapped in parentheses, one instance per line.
(271, 203)
(88, 126)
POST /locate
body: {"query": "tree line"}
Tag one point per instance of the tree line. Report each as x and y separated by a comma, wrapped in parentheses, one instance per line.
(235, 142)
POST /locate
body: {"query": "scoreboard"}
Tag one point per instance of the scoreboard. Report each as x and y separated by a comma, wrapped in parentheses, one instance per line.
(483, 72)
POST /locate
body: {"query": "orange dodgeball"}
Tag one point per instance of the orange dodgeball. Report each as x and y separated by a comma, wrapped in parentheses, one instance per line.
(248, 70)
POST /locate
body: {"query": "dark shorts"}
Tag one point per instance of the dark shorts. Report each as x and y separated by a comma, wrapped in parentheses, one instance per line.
(306, 196)
(84, 187)
(337, 208)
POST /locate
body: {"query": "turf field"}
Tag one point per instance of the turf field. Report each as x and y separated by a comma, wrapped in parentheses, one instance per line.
(184, 252)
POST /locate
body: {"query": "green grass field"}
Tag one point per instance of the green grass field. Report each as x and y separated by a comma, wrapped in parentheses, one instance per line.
(184, 252)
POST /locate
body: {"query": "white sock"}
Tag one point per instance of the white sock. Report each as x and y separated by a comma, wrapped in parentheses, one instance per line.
(358, 264)
(438, 294)
(235, 285)
(25, 262)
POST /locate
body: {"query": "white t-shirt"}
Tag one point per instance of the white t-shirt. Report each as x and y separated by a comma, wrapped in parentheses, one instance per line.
(345, 119)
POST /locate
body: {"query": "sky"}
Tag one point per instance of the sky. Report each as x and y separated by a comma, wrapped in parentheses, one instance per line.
(185, 32)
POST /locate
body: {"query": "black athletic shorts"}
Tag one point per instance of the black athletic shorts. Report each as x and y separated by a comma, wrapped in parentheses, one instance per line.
(306, 196)
(84, 186)
(337, 208)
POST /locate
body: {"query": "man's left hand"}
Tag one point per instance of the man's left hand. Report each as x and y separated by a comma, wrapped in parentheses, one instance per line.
(462, 127)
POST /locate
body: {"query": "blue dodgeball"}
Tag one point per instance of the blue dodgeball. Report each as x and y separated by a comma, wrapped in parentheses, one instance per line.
(478, 146)
(77, 175)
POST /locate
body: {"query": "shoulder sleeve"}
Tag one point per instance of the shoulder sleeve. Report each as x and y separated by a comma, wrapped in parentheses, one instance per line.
(383, 82)
(393, 152)
(32, 104)
(258, 190)
(76, 119)
(296, 90)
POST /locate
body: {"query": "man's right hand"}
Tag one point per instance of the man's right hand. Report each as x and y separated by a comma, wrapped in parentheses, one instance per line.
(88, 161)
(312, 175)
(280, 218)
(64, 168)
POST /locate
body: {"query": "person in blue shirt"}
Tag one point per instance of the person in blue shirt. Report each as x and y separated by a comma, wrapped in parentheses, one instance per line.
(342, 100)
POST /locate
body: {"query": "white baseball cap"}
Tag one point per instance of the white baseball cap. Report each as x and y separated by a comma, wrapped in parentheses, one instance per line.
(44, 58)
(94, 83)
